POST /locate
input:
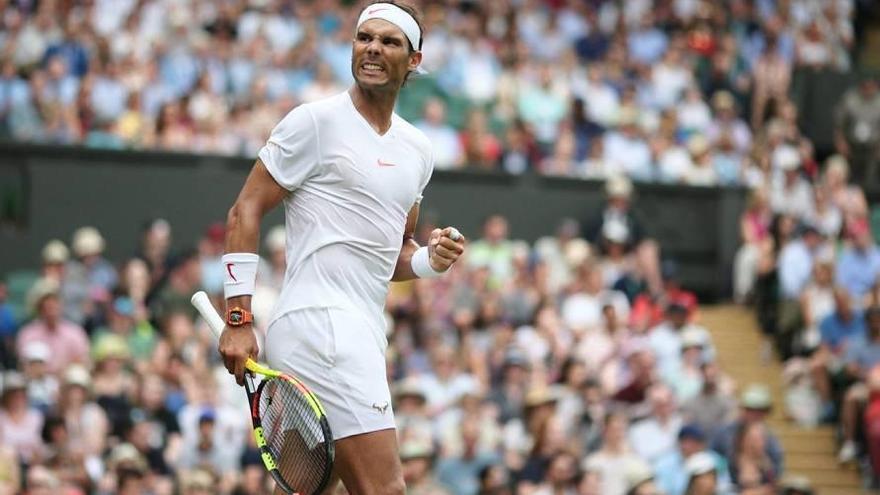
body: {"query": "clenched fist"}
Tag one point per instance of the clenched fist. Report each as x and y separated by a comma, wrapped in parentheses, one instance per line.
(444, 248)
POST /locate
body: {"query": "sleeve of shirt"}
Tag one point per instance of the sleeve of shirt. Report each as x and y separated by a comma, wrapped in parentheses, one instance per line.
(291, 155)
(429, 171)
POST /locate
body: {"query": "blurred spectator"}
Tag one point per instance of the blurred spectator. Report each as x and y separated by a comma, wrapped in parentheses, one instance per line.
(654, 436)
(727, 124)
(612, 460)
(543, 106)
(85, 421)
(753, 451)
(184, 277)
(210, 250)
(618, 210)
(445, 384)
(857, 129)
(796, 261)
(20, 424)
(67, 341)
(675, 470)
(42, 386)
(862, 355)
(772, 73)
(448, 151)
(751, 464)
(208, 451)
(817, 301)
(494, 250)
(460, 474)
(714, 405)
(154, 249)
(859, 263)
(844, 324)
(626, 147)
(754, 225)
(482, 149)
(702, 470)
(417, 459)
(91, 270)
(666, 339)
(791, 194)
(702, 171)
(562, 252)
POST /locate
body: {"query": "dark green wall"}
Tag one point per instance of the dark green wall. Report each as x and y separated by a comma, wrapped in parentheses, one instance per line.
(48, 192)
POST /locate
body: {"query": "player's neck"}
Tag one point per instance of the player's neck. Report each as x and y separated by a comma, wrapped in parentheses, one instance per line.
(375, 106)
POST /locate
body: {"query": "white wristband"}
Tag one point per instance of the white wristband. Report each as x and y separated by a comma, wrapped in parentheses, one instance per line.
(240, 270)
(421, 264)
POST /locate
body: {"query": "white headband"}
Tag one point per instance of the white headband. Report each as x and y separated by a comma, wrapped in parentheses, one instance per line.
(397, 16)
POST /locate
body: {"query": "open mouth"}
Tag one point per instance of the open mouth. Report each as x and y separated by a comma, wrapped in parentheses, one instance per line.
(371, 68)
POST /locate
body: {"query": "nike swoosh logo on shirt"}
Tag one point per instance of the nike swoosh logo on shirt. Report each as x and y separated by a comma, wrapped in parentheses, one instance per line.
(385, 164)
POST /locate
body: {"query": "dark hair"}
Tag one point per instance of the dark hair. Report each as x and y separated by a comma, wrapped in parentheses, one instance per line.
(50, 425)
(413, 12)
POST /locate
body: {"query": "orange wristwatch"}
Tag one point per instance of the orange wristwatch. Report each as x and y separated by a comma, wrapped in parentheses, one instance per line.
(236, 317)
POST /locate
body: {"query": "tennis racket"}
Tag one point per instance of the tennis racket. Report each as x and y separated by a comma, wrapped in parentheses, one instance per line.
(290, 425)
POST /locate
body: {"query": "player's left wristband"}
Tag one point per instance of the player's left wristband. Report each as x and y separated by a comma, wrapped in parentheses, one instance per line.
(240, 270)
(421, 264)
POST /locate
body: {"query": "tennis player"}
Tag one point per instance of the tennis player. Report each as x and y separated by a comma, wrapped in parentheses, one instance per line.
(350, 174)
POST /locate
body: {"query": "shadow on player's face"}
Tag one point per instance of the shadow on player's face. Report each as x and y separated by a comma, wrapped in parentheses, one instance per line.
(381, 56)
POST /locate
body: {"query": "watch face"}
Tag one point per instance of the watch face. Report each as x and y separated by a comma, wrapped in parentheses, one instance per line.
(235, 318)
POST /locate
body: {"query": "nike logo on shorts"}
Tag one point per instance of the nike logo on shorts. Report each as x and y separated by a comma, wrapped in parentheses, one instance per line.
(385, 164)
(381, 407)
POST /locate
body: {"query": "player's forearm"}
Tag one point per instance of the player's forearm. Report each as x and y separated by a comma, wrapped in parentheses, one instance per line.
(242, 236)
(403, 270)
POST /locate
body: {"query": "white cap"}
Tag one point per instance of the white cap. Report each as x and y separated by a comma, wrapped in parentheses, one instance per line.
(618, 186)
(87, 241)
(786, 158)
(41, 289)
(700, 463)
(691, 337)
(77, 374)
(55, 252)
(36, 351)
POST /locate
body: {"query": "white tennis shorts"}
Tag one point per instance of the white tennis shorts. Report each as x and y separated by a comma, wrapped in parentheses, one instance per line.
(337, 354)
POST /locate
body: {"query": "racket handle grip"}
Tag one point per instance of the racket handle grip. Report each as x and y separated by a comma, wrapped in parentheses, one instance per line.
(209, 312)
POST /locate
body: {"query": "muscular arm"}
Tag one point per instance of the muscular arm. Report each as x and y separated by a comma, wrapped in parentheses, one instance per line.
(403, 269)
(259, 195)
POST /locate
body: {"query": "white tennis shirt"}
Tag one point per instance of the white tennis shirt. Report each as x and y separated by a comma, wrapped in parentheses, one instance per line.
(352, 190)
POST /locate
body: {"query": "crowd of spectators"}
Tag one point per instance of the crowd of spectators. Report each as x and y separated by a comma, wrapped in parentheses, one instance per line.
(574, 365)
(557, 367)
(809, 264)
(679, 91)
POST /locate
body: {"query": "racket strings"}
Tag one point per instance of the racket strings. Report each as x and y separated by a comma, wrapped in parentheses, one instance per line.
(294, 436)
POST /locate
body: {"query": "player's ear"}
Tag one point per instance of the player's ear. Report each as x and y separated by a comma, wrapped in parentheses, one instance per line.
(415, 58)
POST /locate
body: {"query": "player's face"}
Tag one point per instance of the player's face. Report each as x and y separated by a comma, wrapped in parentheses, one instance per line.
(380, 56)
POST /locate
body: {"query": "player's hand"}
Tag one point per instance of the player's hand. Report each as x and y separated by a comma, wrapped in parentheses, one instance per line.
(444, 248)
(236, 346)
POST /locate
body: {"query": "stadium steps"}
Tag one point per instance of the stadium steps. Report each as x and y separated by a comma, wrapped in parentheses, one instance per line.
(808, 452)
